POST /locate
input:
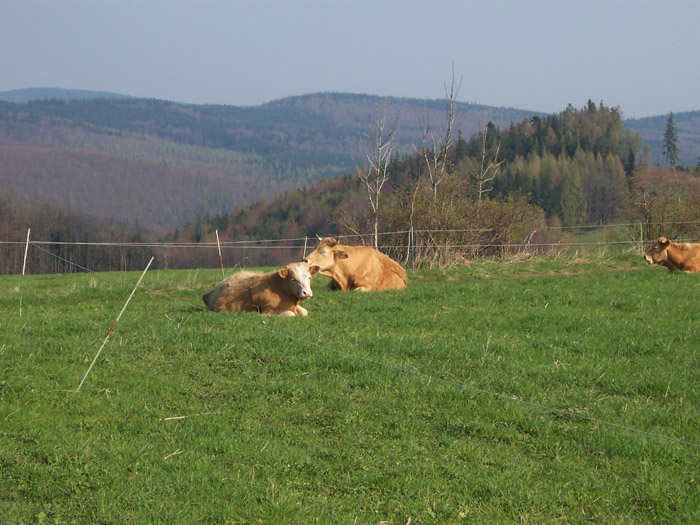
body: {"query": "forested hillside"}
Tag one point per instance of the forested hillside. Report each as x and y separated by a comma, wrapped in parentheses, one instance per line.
(161, 164)
(579, 167)
(287, 170)
(152, 196)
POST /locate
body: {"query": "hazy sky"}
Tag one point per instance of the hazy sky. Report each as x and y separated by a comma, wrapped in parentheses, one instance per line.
(537, 55)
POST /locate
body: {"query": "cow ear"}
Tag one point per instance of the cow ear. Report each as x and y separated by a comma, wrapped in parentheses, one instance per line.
(283, 272)
(663, 241)
(314, 270)
(341, 254)
(330, 241)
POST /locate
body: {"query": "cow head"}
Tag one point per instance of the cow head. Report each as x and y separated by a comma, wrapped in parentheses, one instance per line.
(658, 253)
(297, 278)
(326, 254)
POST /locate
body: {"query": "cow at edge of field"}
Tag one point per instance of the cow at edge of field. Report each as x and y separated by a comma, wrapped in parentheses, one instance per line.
(356, 267)
(675, 256)
(271, 293)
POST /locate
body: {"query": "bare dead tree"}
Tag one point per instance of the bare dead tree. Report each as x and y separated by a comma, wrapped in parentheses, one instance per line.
(488, 168)
(436, 144)
(412, 238)
(377, 145)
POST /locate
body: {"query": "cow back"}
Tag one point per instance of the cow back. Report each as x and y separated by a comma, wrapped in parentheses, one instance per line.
(684, 256)
(370, 270)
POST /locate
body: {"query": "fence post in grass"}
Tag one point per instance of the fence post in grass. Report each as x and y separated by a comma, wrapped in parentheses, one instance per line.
(24, 265)
(114, 325)
(413, 250)
(306, 239)
(221, 260)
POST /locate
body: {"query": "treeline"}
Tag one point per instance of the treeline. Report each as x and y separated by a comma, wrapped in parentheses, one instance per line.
(583, 189)
(567, 169)
(664, 202)
(63, 241)
(577, 167)
(295, 217)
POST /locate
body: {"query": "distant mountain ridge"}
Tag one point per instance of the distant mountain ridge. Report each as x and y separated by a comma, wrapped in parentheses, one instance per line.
(161, 164)
(361, 106)
(51, 93)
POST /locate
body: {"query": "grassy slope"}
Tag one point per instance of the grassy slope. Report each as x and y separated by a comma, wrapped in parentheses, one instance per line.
(280, 430)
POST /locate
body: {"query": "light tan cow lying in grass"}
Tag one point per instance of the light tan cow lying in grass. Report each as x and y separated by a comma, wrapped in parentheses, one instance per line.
(268, 293)
(675, 256)
(356, 267)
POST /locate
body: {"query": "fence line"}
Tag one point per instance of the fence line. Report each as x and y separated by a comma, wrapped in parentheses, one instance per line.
(412, 248)
(293, 247)
(299, 246)
(262, 243)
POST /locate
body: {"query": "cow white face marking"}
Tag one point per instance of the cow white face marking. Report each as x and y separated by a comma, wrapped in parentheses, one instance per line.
(298, 278)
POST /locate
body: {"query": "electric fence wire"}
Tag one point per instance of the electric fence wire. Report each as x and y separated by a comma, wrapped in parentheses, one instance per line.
(208, 245)
(403, 370)
(293, 243)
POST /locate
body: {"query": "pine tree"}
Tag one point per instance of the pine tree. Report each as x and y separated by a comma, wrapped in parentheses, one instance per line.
(461, 147)
(671, 143)
(630, 162)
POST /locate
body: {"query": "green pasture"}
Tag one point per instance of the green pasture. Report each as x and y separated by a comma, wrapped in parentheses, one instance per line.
(551, 390)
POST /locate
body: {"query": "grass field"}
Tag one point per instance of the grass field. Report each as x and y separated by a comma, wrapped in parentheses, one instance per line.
(424, 406)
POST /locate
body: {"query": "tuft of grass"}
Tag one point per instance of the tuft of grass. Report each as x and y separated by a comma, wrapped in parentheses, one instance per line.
(423, 404)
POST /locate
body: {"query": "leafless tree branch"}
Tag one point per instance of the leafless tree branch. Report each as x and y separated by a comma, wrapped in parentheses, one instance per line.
(488, 167)
(435, 145)
(377, 148)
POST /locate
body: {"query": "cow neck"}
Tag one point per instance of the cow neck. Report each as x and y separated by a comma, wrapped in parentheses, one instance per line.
(339, 277)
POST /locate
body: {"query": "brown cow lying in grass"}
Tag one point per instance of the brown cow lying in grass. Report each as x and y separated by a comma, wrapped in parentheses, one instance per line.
(268, 293)
(675, 256)
(356, 267)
